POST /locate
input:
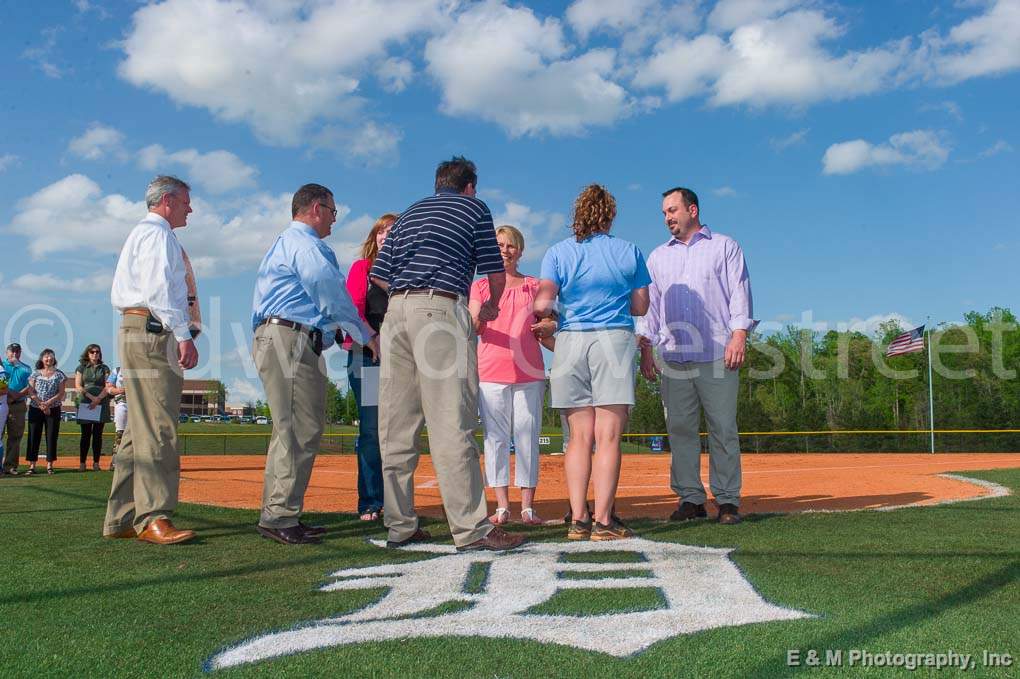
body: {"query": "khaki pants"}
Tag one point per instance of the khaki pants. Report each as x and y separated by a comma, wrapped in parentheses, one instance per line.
(15, 432)
(148, 473)
(429, 376)
(688, 388)
(294, 377)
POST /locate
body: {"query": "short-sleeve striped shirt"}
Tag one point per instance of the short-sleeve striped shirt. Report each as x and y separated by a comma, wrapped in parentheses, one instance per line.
(438, 243)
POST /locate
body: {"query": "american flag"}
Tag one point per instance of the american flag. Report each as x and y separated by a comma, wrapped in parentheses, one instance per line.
(907, 343)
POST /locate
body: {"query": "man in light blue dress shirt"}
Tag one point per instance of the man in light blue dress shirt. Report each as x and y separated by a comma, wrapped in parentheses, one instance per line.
(300, 301)
(699, 317)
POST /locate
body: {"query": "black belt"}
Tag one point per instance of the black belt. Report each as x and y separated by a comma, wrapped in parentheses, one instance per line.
(428, 291)
(314, 333)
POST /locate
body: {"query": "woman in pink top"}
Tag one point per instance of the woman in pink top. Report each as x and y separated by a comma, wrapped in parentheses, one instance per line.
(363, 373)
(511, 380)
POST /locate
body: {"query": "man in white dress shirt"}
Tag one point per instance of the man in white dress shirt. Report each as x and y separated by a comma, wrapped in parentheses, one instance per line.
(156, 346)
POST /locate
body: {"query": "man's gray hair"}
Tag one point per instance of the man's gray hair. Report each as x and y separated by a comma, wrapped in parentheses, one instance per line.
(160, 186)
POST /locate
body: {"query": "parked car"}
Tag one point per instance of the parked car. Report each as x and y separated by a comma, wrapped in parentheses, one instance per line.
(247, 419)
(196, 418)
(69, 417)
(261, 420)
(182, 418)
(226, 418)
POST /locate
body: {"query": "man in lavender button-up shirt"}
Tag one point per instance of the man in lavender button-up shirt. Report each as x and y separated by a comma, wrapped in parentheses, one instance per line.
(699, 319)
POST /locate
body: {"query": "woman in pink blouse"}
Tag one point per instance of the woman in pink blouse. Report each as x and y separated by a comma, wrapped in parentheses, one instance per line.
(511, 380)
(363, 370)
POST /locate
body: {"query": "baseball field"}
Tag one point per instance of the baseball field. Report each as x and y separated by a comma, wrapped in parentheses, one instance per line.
(926, 575)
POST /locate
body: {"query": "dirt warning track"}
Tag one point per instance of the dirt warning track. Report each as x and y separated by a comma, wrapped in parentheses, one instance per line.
(772, 482)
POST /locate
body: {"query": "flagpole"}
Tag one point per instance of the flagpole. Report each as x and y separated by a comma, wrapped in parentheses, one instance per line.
(931, 391)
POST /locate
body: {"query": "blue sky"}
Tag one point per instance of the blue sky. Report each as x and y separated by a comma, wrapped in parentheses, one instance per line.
(863, 154)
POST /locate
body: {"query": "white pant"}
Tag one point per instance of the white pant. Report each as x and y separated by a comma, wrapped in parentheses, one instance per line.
(511, 411)
(120, 411)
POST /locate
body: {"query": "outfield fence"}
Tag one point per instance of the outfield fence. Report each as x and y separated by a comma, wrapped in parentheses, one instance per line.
(551, 442)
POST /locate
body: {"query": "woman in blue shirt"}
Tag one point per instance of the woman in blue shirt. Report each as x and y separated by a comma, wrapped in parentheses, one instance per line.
(601, 282)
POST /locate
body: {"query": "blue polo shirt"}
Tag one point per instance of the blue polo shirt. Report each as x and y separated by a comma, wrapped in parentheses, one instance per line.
(17, 376)
(595, 278)
(439, 242)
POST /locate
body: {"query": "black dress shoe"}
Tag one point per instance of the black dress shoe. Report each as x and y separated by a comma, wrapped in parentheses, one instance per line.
(689, 511)
(293, 535)
(728, 515)
(314, 531)
(418, 536)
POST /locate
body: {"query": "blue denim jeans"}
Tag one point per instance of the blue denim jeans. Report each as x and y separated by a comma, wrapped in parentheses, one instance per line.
(370, 485)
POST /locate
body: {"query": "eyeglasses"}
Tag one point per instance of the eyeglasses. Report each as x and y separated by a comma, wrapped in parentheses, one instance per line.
(95, 351)
(331, 209)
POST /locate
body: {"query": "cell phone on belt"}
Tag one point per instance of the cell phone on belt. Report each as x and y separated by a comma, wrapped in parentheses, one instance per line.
(153, 324)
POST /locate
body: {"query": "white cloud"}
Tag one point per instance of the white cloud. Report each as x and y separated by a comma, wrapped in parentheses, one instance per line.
(285, 65)
(8, 160)
(1001, 146)
(980, 46)
(587, 16)
(98, 142)
(221, 239)
(241, 391)
(783, 61)
(88, 220)
(685, 68)
(41, 54)
(728, 15)
(919, 148)
(540, 229)
(216, 171)
(794, 139)
(725, 192)
(372, 144)
(47, 282)
(505, 65)
(395, 74)
(950, 108)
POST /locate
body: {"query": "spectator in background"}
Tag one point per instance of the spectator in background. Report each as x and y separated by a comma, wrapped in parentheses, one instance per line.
(18, 391)
(363, 369)
(115, 388)
(511, 378)
(601, 282)
(3, 413)
(90, 383)
(47, 383)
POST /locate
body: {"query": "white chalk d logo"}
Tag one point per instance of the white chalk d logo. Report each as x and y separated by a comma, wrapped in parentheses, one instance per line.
(493, 595)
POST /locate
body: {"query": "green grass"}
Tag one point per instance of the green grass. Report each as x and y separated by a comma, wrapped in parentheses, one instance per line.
(74, 605)
(605, 575)
(601, 601)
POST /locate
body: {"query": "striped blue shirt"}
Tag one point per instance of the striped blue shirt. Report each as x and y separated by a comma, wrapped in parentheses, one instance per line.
(438, 243)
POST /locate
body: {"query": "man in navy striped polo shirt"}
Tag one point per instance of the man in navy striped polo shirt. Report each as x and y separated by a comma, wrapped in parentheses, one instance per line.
(429, 370)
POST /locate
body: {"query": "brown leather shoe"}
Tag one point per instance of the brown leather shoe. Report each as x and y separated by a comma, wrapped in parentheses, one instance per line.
(122, 533)
(162, 532)
(728, 515)
(498, 540)
(418, 536)
(292, 535)
(688, 511)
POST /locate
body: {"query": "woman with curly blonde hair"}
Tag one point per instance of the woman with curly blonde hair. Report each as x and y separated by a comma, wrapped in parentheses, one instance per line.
(601, 282)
